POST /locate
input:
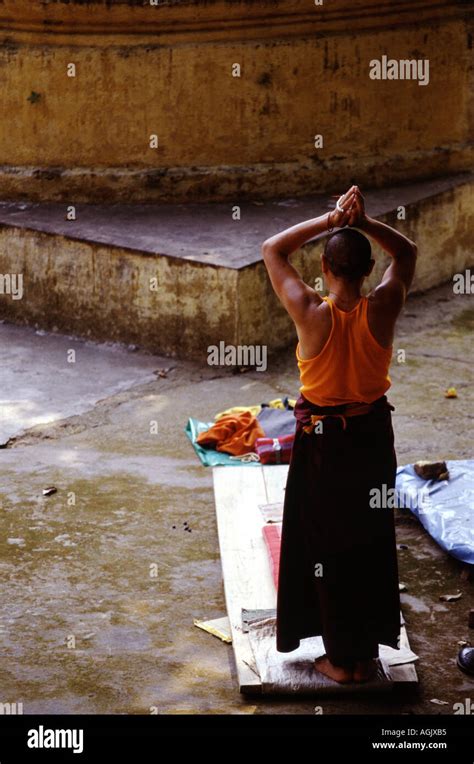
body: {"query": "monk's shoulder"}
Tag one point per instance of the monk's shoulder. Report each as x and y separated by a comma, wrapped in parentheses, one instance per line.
(386, 297)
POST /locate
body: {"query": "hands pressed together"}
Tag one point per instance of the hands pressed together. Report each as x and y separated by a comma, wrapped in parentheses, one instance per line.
(350, 210)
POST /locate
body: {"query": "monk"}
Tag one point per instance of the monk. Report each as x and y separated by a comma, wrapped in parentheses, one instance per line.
(338, 575)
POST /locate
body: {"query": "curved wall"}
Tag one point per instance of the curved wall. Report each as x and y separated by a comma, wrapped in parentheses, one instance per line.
(167, 70)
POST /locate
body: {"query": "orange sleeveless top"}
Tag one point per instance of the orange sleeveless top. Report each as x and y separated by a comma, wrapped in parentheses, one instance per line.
(352, 367)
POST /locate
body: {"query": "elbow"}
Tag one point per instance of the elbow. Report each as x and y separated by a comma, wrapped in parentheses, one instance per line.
(272, 250)
(411, 250)
(267, 249)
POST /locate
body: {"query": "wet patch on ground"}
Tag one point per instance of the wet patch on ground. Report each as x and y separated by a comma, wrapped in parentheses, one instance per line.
(101, 580)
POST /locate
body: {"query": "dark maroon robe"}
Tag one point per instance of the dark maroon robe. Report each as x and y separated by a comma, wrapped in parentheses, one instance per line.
(328, 522)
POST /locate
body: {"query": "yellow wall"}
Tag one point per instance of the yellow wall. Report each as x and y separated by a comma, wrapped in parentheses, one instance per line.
(167, 70)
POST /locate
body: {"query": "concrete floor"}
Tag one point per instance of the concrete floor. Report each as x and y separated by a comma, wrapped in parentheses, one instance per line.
(84, 628)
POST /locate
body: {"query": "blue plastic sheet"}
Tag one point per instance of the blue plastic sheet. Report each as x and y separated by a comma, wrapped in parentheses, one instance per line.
(445, 508)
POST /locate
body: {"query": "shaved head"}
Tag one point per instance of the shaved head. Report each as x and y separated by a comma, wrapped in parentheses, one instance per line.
(348, 254)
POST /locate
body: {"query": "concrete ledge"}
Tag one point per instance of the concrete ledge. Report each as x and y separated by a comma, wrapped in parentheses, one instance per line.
(208, 183)
(92, 276)
(213, 20)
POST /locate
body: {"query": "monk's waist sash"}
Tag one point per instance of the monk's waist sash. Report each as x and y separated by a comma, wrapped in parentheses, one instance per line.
(308, 414)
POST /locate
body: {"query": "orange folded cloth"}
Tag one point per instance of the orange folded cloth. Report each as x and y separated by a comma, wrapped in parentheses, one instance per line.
(234, 434)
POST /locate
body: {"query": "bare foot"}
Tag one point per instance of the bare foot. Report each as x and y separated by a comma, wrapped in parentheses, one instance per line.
(340, 674)
(364, 671)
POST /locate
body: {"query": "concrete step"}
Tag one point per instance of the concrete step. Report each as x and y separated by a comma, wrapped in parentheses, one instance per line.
(175, 279)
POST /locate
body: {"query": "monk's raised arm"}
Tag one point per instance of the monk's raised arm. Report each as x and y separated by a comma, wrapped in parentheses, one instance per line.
(295, 295)
(399, 247)
(398, 277)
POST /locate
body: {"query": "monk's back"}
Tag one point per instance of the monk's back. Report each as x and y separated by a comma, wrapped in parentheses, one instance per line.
(351, 366)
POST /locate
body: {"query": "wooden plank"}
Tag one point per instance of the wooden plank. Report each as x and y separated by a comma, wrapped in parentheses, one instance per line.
(247, 577)
(275, 482)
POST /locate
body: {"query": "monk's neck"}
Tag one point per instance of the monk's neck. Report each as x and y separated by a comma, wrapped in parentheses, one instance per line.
(344, 295)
